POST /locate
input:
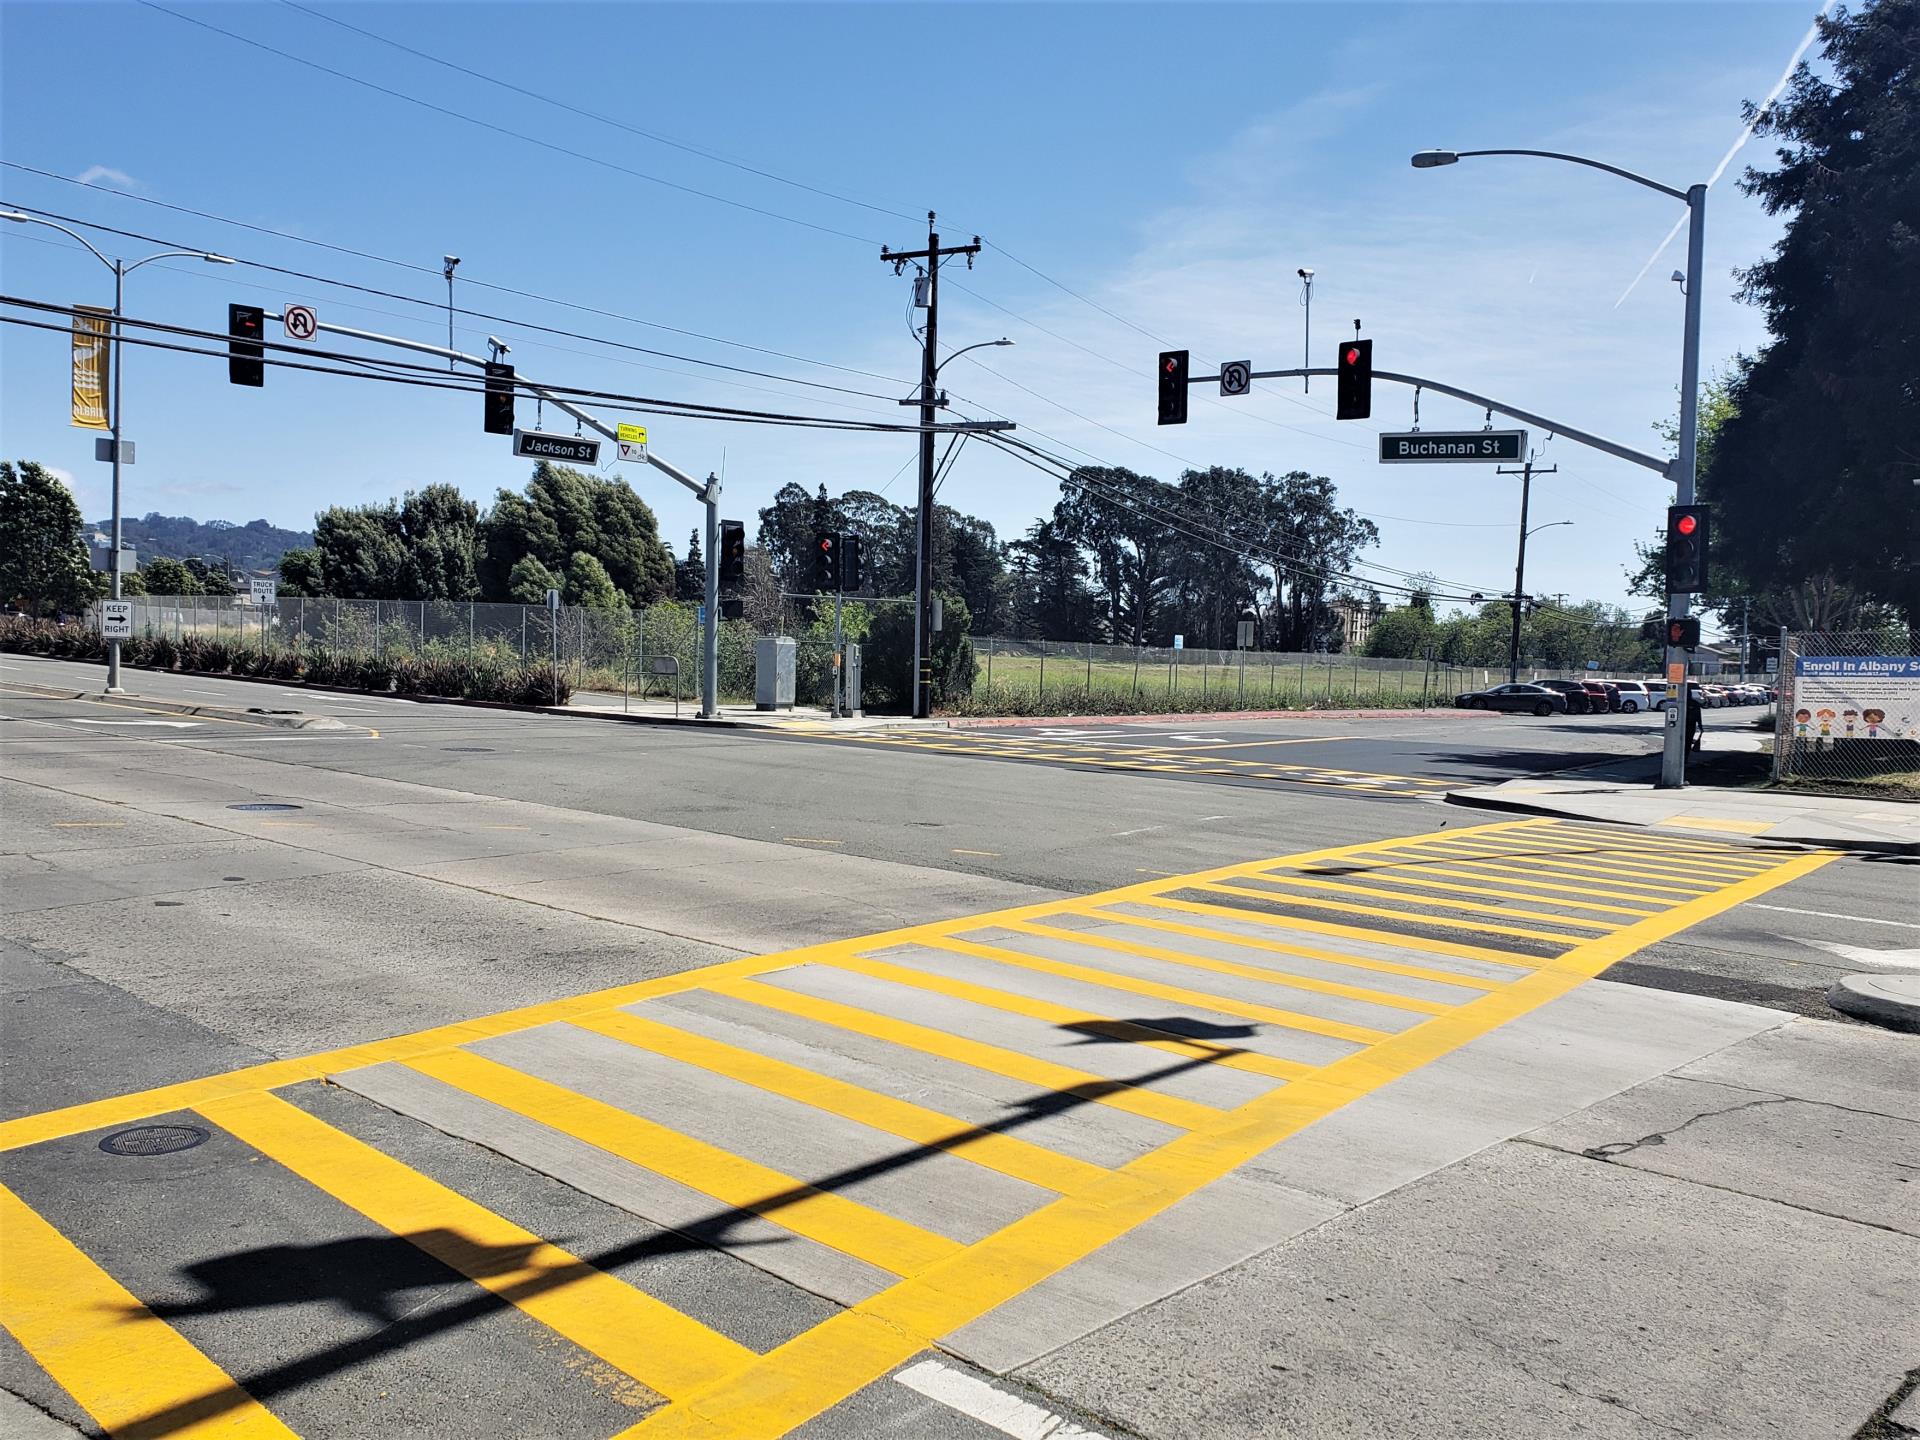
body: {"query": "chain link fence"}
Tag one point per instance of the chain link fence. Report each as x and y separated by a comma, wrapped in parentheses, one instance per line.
(601, 652)
(1235, 679)
(1848, 717)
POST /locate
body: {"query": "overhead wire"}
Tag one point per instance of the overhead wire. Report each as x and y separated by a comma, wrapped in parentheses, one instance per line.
(505, 130)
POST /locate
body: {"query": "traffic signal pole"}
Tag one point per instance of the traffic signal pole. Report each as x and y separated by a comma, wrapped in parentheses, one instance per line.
(1673, 753)
(707, 492)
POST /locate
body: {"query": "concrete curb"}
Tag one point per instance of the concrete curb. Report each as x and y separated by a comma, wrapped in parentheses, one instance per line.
(980, 722)
(1561, 812)
(1889, 1000)
(290, 721)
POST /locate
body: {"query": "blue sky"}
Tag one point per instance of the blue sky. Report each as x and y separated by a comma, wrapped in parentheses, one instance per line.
(1172, 163)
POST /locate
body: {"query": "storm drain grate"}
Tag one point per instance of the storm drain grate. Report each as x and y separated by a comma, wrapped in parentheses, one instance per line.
(155, 1139)
(262, 805)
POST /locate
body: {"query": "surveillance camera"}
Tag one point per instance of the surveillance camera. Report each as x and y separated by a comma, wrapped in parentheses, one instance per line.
(499, 345)
(1304, 273)
(451, 259)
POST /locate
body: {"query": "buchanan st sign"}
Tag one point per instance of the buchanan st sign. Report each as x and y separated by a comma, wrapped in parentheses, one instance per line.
(1425, 447)
(574, 449)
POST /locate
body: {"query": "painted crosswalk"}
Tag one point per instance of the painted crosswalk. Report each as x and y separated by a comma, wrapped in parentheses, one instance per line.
(1198, 757)
(919, 1126)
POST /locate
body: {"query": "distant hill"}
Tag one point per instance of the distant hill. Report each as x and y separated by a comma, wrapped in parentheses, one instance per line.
(254, 546)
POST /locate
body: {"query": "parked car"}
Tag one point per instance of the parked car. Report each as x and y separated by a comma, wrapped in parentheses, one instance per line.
(1519, 699)
(1579, 702)
(1634, 695)
(1662, 699)
(1605, 698)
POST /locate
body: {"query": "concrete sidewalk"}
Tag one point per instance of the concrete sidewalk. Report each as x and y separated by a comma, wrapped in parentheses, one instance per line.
(1622, 792)
(655, 710)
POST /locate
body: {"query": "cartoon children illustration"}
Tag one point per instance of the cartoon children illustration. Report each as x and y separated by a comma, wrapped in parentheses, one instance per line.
(1826, 718)
(1800, 719)
(1875, 719)
(1849, 717)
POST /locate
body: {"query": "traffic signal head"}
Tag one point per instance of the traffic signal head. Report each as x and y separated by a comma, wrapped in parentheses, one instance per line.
(733, 552)
(849, 562)
(826, 563)
(246, 363)
(1353, 388)
(1686, 549)
(1173, 387)
(499, 412)
(1684, 633)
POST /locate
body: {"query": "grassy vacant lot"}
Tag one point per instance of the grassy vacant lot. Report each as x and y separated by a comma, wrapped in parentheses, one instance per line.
(1122, 684)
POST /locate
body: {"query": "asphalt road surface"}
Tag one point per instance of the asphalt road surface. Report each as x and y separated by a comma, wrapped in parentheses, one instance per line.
(457, 1071)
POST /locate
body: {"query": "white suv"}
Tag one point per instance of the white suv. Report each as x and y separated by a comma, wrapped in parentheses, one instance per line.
(1634, 695)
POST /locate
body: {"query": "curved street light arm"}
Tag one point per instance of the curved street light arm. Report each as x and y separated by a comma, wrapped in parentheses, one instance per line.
(22, 218)
(1582, 160)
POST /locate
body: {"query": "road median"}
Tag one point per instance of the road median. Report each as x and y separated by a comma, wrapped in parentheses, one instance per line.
(271, 719)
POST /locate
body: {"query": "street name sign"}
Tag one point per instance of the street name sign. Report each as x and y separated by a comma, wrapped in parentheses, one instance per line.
(1427, 447)
(575, 449)
(116, 619)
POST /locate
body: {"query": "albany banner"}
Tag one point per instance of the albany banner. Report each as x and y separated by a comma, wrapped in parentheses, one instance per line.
(91, 327)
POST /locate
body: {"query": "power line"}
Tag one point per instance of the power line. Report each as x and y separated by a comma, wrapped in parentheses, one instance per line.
(440, 308)
(510, 133)
(595, 115)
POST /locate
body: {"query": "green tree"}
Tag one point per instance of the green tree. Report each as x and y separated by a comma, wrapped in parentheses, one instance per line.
(588, 584)
(44, 569)
(690, 574)
(300, 572)
(211, 577)
(439, 536)
(361, 555)
(562, 511)
(530, 580)
(1814, 474)
(1403, 633)
(167, 576)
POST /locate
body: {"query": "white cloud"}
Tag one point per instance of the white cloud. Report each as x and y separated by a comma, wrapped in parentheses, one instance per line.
(107, 175)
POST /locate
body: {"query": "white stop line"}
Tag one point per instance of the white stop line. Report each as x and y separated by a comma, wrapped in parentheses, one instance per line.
(1008, 1414)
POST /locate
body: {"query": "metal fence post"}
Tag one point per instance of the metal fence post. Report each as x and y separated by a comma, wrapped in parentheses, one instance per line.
(990, 662)
(1043, 672)
(1089, 667)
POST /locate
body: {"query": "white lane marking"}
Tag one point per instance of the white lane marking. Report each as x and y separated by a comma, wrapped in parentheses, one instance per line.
(1123, 834)
(1008, 1414)
(1830, 915)
(1868, 958)
(168, 724)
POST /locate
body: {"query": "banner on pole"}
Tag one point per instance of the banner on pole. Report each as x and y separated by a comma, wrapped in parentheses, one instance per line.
(91, 327)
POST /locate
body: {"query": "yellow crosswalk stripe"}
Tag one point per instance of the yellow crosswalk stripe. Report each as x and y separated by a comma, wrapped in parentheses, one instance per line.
(1133, 1032)
(1294, 877)
(1263, 973)
(1041, 1074)
(1304, 952)
(1599, 866)
(1592, 880)
(137, 1376)
(1174, 994)
(1676, 845)
(1432, 945)
(1397, 873)
(1004, 1153)
(1385, 913)
(733, 1180)
(629, 1329)
(1633, 852)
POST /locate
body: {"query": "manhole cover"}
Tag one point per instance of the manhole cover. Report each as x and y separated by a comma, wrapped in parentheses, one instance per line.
(262, 805)
(155, 1139)
(470, 749)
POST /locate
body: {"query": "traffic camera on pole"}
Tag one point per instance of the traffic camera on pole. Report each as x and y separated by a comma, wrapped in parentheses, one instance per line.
(733, 552)
(1686, 549)
(246, 359)
(1173, 387)
(1353, 387)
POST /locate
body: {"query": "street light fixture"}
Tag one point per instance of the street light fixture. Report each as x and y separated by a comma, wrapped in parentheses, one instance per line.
(1673, 756)
(121, 269)
(980, 345)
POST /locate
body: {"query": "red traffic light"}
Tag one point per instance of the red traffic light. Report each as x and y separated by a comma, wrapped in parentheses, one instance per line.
(1353, 355)
(826, 544)
(1687, 524)
(1171, 365)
